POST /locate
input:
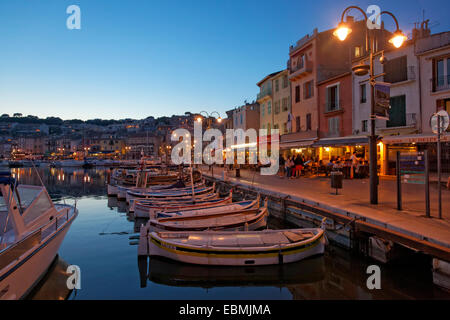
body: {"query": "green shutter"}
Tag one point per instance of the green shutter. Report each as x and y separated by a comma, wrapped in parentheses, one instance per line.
(397, 112)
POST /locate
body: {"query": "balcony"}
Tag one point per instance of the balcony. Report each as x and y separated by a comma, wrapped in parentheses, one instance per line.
(441, 83)
(401, 75)
(409, 125)
(264, 94)
(332, 106)
(300, 70)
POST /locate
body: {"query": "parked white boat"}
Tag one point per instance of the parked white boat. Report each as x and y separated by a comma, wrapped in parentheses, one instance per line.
(149, 210)
(206, 210)
(225, 248)
(31, 230)
(240, 220)
(122, 191)
(163, 202)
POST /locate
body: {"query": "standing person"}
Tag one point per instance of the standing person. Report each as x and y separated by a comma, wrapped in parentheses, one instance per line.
(298, 161)
(354, 164)
(281, 166)
(291, 167)
(287, 167)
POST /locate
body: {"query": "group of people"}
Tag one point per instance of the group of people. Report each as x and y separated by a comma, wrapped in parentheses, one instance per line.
(291, 167)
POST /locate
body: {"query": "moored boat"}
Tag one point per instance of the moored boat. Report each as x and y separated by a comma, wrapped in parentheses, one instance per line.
(239, 220)
(149, 210)
(32, 228)
(162, 202)
(226, 248)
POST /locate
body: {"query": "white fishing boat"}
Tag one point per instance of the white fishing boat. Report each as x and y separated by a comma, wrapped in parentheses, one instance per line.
(205, 210)
(169, 194)
(178, 186)
(32, 228)
(239, 220)
(149, 210)
(225, 248)
(170, 201)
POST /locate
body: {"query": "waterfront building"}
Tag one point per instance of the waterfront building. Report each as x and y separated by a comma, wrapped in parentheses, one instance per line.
(265, 100)
(281, 99)
(313, 60)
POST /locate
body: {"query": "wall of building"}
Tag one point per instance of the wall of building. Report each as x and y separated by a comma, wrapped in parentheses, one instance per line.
(343, 113)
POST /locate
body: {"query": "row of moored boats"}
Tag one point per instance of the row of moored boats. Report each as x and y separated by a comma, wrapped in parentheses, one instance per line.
(190, 221)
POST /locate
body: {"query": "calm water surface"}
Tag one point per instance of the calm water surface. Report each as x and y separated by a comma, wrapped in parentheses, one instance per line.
(99, 243)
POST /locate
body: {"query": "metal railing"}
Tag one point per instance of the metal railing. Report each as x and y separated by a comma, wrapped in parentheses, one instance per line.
(440, 83)
(333, 105)
(265, 93)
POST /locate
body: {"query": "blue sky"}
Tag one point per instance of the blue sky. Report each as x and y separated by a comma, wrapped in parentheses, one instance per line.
(137, 58)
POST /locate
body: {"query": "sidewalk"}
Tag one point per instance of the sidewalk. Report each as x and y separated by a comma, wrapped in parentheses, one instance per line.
(354, 199)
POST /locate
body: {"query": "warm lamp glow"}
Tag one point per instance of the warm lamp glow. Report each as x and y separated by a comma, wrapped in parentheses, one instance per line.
(398, 39)
(219, 119)
(342, 31)
(199, 119)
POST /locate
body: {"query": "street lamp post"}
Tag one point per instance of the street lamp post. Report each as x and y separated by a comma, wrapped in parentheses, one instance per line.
(342, 31)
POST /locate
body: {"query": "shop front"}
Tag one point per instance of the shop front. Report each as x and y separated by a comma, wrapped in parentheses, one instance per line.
(413, 144)
(299, 143)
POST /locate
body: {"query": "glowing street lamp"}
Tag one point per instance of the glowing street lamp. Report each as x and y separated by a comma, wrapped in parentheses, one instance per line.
(397, 40)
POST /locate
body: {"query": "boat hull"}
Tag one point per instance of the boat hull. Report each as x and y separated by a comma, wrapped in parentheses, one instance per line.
(238, 257)
(22, 277)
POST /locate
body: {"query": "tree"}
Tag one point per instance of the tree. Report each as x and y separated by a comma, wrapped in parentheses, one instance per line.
(17, 115)
(5, 115)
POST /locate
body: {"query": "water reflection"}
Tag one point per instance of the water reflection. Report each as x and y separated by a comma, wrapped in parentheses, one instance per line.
(172, 273)
(102, 241)
(53, 285)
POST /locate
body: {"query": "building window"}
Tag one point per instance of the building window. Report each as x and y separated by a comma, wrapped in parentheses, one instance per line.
(364, 126)
(301, 62)
(277, 107)
(297, 93)
(241, 118)
(332, 98)
(397, 112)
(285, 130)
(308, 89)
(263, 108)
(269, 107)
(285, 81)
(308, 121)
(297, 124)
(285, 104)
(396, 70)
(333, 126)
(363, 94)
(358, 51)
(277, 85)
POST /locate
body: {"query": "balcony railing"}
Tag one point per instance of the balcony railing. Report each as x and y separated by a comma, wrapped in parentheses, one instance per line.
(333, 105)
(265, 93)
(300, 69)
(440, 83)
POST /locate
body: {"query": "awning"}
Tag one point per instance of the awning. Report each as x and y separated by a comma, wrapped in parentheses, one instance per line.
(342, 141)
(296, 144)
(415, 138)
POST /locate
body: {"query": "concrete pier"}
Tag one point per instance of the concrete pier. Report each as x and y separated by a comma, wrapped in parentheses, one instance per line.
(380, 232)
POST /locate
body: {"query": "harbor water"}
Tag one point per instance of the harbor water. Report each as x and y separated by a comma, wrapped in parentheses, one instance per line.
(103, 242)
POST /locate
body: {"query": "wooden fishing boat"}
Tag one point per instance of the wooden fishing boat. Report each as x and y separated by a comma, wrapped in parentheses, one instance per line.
(146, 209)
(225, 248)
(207, 209)
(239, 220)
(167, 195)
(162, 202)
(122, 190)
